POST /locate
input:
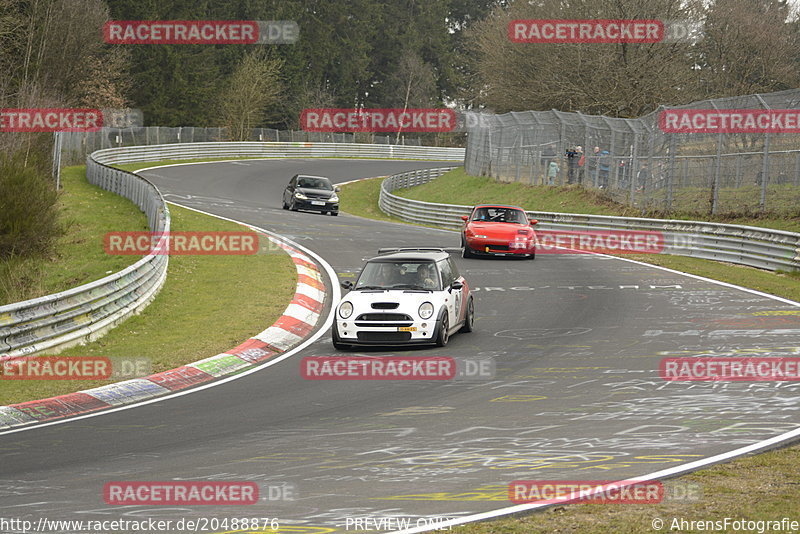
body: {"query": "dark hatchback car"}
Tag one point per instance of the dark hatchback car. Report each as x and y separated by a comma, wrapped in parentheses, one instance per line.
(314, 193)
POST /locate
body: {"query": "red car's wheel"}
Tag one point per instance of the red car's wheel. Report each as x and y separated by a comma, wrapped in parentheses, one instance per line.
(466, 252)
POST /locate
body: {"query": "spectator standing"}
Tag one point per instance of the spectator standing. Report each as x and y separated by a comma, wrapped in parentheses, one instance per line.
(604, 166)
(572, 164)
(552, 172)
(642, 177)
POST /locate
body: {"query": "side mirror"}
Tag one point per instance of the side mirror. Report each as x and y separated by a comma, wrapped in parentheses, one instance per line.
(464, 218)
(456, 285)
(534, 221)
(337, 189)
(347, 284)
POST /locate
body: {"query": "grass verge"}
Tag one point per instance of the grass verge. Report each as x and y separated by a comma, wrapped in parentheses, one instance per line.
(233, 296)
(87, 213)
(756, 488)
(759, 488)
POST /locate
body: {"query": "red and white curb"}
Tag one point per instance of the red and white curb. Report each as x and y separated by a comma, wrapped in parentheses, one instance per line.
(297, 322)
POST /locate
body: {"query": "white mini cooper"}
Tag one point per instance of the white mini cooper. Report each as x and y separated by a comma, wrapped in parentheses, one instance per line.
(405, 296)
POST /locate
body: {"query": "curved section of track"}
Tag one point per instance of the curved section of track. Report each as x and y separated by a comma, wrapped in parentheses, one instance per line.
(577, 340)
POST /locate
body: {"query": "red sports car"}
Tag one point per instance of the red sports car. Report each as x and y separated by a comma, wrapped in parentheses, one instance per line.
(499, 231)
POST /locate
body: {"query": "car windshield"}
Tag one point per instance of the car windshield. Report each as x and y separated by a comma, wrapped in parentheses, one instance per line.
(399, 275)
(314, 183)
(507, 215)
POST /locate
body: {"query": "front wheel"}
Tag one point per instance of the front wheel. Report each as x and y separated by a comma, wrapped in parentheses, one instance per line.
(285, 205)
(469, 320)
(466, 252)
(444, 335)
(292, 206)
(334, 213)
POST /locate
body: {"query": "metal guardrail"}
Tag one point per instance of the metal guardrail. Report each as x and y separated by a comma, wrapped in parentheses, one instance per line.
(253, 149)
(78, 315)
(745, 245)
(57, 321)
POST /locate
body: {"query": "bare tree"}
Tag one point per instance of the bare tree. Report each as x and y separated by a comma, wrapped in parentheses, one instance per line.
(55, 45)
(619, 79)
(309, 96)
(750, 47)
(253, 88)
(412, 84)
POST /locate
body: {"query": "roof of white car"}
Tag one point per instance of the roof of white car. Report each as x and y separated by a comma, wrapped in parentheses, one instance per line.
(412, 255)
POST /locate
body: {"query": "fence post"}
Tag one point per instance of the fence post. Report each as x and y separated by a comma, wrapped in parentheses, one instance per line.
(561, 148)
(739, 171)
(717, 168)
(57, 140)
(797, 169)
(582, 171)
(634, 164)
(670, 171)
(764, 174)
(765, 163)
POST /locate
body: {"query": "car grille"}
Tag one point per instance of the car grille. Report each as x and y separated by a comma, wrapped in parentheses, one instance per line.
(498, 247)
(317, 195)
(383, 319)
(384, 336)
(385, 305)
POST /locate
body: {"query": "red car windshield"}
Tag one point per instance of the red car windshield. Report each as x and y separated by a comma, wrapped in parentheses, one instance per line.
(506, 215)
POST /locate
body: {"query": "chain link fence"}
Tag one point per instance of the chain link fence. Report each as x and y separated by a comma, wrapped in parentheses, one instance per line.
(75, 146)
(637, 163)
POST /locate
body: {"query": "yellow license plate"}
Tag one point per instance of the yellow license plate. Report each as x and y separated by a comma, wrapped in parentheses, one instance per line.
(406, 328)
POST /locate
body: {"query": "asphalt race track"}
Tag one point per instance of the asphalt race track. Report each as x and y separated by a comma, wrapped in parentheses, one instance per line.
(577, 341)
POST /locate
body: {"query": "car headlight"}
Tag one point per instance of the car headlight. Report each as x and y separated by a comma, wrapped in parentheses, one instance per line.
(300, 195)
(333, 198)
(345, 310)
(480, 236)
(426, 310)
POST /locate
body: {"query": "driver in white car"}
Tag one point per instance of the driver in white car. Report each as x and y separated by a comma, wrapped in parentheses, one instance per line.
(425, 277)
